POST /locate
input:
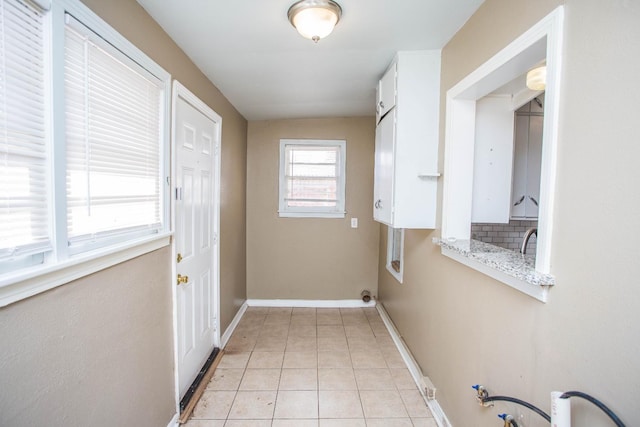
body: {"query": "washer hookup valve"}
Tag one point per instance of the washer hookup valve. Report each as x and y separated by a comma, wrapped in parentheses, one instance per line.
(481, 395)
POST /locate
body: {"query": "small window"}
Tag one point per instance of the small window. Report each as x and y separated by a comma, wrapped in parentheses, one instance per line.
(395, 252)
(312, 178)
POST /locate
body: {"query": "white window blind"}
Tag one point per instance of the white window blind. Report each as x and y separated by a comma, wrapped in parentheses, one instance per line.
(24, 195)
(113, 141)
(312, 177)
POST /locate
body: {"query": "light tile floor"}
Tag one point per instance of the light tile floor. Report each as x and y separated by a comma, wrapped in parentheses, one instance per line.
(286, 367)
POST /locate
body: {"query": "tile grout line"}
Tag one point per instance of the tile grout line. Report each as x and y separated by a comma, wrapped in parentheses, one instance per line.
(354, 333)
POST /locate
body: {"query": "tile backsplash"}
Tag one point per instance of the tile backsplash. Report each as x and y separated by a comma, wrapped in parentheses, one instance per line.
(508, 236)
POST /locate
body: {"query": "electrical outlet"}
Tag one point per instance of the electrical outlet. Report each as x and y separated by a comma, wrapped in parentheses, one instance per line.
(354, 222)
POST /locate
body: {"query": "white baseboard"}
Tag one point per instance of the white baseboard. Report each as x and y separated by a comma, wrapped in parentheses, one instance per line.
(438, 414)
(339, 303)
(174, 421)
(233, 325)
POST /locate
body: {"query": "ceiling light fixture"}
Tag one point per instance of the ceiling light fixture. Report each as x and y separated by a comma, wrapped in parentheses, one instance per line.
(314, 19)
(537, 78)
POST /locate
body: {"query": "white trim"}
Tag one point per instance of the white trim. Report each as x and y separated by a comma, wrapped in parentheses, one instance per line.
(233, 325)
(174, 421)
(539, 292)
(180, 91)
(390, 246)
(341, 181)
(42, 279)
(287, 214)
(416, 373)
(541, 41)
(340, 303)
(85, 15)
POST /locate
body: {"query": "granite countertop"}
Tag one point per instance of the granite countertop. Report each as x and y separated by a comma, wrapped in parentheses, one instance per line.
(512, 263)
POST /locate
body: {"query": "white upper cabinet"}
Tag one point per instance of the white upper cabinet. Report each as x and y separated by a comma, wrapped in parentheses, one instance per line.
(406, 158)
(386, 93)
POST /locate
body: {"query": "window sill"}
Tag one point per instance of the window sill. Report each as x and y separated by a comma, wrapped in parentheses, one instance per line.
(311, 214)
(509, 267)
(397, 274)
(37, 280)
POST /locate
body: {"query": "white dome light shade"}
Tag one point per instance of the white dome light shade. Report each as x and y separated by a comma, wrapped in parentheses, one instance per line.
(537, 78)
(315, 19)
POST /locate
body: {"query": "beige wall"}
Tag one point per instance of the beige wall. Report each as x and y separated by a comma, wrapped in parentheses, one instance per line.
(465, 328)
(99, 351)
(310, 258)
(94, 352)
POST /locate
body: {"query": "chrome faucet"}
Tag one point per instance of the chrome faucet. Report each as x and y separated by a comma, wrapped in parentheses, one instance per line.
(525, 239)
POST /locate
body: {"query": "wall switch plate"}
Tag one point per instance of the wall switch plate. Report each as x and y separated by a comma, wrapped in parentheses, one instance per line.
(354, 222)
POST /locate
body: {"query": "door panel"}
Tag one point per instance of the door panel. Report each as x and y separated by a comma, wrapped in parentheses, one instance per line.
(205, 219)
(195, 241)
(186, 219)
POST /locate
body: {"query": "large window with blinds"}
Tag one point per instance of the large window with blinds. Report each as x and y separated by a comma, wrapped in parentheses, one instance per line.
(312, 178)
(112, 133)
(25, 234)
(84, 152)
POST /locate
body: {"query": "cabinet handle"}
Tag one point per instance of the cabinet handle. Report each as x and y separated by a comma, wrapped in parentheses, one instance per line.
(519, 201)
(378, 204)
(381, 105)
(535, 202)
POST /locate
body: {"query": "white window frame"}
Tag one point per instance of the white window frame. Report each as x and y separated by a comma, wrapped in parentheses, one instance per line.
(60, 266)
(391, 248)
(543, 41)
(319, 211)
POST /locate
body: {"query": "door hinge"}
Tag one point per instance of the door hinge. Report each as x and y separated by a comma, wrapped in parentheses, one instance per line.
(215, 238)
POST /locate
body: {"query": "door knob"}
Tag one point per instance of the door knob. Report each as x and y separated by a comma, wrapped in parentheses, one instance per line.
(182, 279)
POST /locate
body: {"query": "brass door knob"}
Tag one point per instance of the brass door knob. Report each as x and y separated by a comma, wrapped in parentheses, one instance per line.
(182, 279)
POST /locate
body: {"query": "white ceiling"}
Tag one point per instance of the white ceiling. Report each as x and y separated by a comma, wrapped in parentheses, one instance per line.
(248, 49)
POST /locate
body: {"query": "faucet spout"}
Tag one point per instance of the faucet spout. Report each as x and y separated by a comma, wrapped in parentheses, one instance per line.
(525, 239)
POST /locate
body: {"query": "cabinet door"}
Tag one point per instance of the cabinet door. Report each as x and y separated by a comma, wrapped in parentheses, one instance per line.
(493, 160)
(519, 189)
(383, 181)
(386, 92)
(534, 162)
(526, 167)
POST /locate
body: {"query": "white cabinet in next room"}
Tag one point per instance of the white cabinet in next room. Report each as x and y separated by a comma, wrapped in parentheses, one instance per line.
(406, 156)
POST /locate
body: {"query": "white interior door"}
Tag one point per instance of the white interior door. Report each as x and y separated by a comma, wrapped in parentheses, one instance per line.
(196, 193)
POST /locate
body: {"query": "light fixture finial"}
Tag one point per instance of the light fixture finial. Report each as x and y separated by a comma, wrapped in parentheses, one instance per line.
(314, 19)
